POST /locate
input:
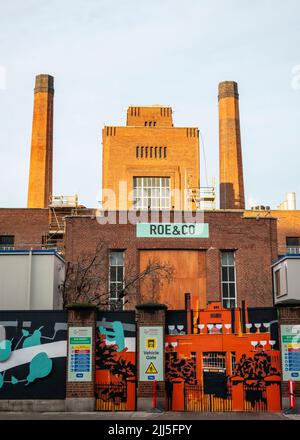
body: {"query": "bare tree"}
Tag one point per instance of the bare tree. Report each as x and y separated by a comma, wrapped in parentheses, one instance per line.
(87, 279)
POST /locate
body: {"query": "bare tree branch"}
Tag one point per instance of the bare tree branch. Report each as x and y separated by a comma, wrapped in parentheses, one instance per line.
(87, 279)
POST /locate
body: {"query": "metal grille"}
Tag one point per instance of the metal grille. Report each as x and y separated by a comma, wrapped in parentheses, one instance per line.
(196, 400)
(111, 397)
(255, 398)
(214, 360)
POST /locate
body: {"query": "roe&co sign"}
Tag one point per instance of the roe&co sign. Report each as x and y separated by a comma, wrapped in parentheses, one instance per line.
(173, 230)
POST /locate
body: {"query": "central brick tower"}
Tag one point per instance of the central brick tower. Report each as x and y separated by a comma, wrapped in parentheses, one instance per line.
(40, 173)
(156, 162)
(231, 166)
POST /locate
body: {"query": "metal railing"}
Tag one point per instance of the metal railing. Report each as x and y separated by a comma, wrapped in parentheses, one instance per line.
(111, 397)
(255, 398)
(293, 249)
(61, 201)
(197, 401)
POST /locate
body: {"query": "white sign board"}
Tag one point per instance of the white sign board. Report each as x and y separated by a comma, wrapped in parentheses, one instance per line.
(290, 351)
(80, 354)
(151, 352)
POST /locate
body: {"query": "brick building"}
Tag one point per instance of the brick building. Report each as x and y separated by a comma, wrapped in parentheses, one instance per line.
(222, 261)
(197, 261)
(23, 228)
(149, 154)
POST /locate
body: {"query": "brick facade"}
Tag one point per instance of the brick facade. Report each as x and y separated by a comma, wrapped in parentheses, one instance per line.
(27, 225)
(255, 243)
(159, 150)
(41, 156)
(288, 225)
(230, 157)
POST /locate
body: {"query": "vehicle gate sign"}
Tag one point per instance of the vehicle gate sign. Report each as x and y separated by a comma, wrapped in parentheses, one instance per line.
(151, 353)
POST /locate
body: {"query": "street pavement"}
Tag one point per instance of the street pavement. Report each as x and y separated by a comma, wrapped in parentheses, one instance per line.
(171, 416)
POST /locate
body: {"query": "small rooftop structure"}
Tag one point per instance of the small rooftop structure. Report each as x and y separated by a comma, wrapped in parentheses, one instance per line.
(286, 280)
(30, 279)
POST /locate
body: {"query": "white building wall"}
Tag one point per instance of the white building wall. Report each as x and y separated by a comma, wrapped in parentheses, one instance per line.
(13, 281)
(289, 280)
(30, 281)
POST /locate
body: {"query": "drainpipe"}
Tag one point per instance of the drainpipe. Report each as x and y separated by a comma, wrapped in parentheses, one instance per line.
(233, 320)
(243, 316)
(187, 297)
(29, 280)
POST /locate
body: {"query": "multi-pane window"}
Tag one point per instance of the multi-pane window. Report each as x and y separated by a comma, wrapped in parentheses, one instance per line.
(116, 280)
(293, 245)
(214, 359)
(228, 279)
(233, 361)
(151, 193)
(277, 283)
(7, 242)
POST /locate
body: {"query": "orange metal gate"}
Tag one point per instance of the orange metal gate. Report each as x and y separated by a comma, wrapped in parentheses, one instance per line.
(116, 396)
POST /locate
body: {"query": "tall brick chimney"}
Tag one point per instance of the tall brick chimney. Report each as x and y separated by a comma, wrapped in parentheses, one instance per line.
(40, 173)
(230, 150)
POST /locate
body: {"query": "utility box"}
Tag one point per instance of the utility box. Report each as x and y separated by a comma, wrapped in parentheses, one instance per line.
(30, 280)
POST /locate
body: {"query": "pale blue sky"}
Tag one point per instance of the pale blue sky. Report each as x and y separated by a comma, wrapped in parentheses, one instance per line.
(109, 54)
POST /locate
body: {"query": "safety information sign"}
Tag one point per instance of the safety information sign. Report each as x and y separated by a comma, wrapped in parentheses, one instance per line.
(80, 353)
(151, 353)
(290, 343)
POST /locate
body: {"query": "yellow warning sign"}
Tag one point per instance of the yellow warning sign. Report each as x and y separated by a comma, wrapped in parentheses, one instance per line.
(151, 343)
(151, 369)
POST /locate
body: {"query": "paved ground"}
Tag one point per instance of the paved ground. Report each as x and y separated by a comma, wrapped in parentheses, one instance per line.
(172, 416)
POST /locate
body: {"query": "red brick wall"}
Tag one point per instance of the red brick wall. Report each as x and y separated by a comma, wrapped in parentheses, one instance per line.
(255, 242)
(27, 225)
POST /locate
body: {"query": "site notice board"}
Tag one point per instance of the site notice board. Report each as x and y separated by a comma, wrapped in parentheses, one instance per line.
(151, 353)
(80, 353)
(290, 343)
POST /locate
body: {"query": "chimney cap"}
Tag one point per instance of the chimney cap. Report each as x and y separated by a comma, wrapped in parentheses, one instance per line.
(44, 83)
(228, 89)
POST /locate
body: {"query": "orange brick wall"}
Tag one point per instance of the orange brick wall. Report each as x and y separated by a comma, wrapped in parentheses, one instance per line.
(121, 164)
(40, 173)
(288, 224)
(156, 115)
(230, 155)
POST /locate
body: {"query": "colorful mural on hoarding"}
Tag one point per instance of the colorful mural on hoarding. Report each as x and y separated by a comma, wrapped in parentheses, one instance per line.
(115, 361)
(33, 350)
(228, 361)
